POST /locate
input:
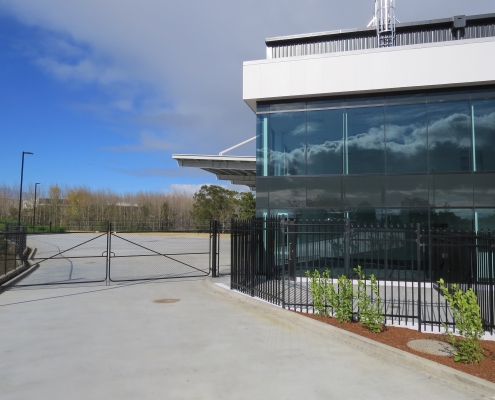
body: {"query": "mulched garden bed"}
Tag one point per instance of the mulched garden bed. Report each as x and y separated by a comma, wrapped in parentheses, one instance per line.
(398, 338)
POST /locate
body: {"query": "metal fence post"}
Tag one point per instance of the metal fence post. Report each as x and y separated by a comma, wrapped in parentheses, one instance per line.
(213, 253)
(109, 249)
(418, 255)
(282, 228)
(347, 249)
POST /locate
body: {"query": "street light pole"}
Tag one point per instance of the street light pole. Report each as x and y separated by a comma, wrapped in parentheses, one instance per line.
(20, 192)
(34, 209)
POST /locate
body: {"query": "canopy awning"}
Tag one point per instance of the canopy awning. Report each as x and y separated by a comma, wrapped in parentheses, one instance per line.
(239, 170)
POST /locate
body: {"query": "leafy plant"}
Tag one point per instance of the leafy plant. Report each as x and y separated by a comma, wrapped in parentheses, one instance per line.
(326, 297)
(467, 316)
(341, 300)
(318, 286)
(369, 311)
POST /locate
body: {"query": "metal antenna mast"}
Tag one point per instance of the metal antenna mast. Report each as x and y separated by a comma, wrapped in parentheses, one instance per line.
(384, 20)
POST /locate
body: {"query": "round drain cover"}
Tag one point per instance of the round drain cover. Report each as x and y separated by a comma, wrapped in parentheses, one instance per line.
(434, 347)
(166, 301)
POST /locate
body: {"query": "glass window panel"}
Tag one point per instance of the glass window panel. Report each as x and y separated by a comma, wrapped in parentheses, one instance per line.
(262, 108)
(449, 136)
(454, 190)
(405, 133)
(287, 144)
(364, 191)
(262, 212)
(407, 217)
(287, 192)
(324, 192)
(487, 93)
(365, 140)
(451, 218)
(262, 187)
(325, 142)
(364, 101)
(484, 134)
(325, 214)
(367, 216)
(485, 219)
(262, 144)
(484, 190)
(409, 98)
(332, 103)
(288, 106)
(297, 215)
(407, 191)
(440, 96)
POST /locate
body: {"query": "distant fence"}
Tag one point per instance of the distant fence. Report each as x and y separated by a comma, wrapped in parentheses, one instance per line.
(178, 225)
(270, 258)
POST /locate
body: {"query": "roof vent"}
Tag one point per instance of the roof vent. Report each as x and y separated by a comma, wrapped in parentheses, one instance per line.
(384, 20)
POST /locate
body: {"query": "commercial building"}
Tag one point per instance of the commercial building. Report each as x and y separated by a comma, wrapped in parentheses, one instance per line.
(393, 127)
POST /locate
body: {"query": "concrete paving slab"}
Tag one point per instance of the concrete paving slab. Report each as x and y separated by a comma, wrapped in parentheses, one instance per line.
(98, 342)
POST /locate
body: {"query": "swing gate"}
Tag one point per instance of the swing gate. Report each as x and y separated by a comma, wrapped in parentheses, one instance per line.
(109, 256)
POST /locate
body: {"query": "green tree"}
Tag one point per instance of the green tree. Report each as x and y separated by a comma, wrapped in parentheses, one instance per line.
(247, 204)
(214, 202)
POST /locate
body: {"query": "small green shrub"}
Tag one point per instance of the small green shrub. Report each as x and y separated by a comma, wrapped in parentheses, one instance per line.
(325, 297)
(341, 300)
(468, 321)
(369, 311)
(318, 286)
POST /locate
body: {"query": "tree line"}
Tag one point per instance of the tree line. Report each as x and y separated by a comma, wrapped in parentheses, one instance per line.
(65, 205)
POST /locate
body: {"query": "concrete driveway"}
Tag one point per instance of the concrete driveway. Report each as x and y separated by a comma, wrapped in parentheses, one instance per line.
(98, 342)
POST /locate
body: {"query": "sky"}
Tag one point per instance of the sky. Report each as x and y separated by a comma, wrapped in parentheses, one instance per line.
(103, 92)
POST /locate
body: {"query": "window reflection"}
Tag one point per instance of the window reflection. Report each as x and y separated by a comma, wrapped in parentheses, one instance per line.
(325, 142)
(485, 219)
(287, 192)
(484, 133)
(262, 186)
(287, 133)
(454, 190)
(361, 191)
(365, 140)
(449, 136)
(457, 219)
(405, 133)
(407, 191)
(324, 192)
(407, 217)
(484, 190)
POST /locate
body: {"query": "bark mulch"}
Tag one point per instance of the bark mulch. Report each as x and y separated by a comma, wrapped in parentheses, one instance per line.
(398, 338)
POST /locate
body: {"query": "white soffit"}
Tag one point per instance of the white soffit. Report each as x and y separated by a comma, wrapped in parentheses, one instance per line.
(239, 170)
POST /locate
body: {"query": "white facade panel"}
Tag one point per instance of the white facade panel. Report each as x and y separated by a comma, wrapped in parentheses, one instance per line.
(275, 79)
(435, 65)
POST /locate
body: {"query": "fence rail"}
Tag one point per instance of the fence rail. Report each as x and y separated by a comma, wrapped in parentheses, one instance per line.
(270, 258)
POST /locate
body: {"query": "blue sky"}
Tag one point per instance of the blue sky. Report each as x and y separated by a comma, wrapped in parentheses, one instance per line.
(105, 91)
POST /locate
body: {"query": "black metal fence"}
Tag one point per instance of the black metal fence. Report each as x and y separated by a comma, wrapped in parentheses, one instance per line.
(99, 253)
(270, 258)
(12, 248)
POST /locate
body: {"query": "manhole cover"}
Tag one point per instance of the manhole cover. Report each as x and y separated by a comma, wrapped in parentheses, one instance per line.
(166, 301)
(434, 347)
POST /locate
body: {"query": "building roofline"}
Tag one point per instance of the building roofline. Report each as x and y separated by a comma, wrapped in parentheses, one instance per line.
(372, 30)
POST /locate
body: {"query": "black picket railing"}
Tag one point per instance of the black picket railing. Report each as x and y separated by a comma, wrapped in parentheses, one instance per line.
(12, 248)
(270, 258)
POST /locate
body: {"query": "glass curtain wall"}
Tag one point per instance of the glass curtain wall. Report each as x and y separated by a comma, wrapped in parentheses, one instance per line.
(423, 157)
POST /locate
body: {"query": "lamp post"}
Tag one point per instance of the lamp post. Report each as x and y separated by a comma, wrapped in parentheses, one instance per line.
(20, 193)
(34, 208)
